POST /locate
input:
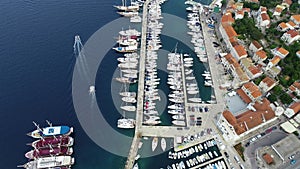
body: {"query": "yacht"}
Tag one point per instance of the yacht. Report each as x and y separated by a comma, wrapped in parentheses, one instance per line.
(128, 108)
(49, 162)
(129, 99)
(178, 117)
(135, 166)
(128, 13)
(196, 100)
(126, 123)
(178, 123)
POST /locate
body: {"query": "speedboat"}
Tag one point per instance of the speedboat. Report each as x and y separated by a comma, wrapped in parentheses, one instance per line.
(196, 100)
(178, 123)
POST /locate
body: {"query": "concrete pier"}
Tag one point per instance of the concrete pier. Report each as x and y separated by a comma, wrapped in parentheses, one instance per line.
(140, 97)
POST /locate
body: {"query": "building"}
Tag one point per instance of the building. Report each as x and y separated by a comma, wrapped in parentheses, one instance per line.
(260, 56)
(281, 52)
(263, 19)
(278, 10)
(227, 19)
(255, 46)
(282, 27)
(295, 87)
(267, 84)
(239, 52)
(296, 19)
(290, 36)
(251, 70)
(268, 158)
(274, 71)
(298, 53)
(239, 14)
(287, 3)
(250, 120)
(228, 34)
(234, 68)
(292, 110)
(291, 25)
(249, 92)
(273, 62)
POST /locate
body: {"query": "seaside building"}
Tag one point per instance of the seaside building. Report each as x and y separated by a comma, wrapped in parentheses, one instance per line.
(273, 62)
(267, 84)
(249, 92)
(251, 70)
(239, 52)
(234, 127)
(234, 68)
(290, 36)
(292, 110)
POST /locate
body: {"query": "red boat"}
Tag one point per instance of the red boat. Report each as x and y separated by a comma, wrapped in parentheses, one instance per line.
(53, 141)
(45, 152)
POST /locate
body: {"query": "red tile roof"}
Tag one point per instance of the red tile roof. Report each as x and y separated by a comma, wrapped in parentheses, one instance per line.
(291, 23)
(227, 19)
(296, 17)
(256, 44)
(230, 59)
(283, 25)
(261, 54)
(230, 31)
(250, 118)
(244, 96)
(283, 51)
(268, 159)
(269, 81)
(293, 33)
(295, 107)
(241, 51)
(252, 89)
(288, 2)
(265, 16)
(254, 70)
(275, 60)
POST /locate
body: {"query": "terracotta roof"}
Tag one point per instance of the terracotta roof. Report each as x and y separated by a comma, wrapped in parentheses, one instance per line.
(247, 10)
(233, 41)
(295, 107)
(229, 31)
(283, 25)
(263, 9)
(255, 118)
(252, 89)
(268, 158)
(240, 12)
(293, 33)
(283, 51)
(298, 52)
(261, 54)
(229, 117)
(230, 59)
(275, 60)
(227, 19)
(244, 96)
(265, 16)
(289, 2)
(295, 86)
(254, 70)
(269, 81)
(291, 23)
(278, 9)
(256, 44)
(296, 17)
(241, 51)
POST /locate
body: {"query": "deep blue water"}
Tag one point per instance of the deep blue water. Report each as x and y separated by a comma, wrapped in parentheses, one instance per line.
(36, 62)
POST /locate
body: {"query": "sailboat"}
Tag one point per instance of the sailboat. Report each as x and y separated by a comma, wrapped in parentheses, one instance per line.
(123, 7)
(154, 143)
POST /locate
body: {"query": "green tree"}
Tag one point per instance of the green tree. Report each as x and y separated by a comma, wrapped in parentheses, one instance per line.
(286, 98)
(272, 98)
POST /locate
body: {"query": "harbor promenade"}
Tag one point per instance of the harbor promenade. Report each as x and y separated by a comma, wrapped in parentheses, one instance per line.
(140, 99)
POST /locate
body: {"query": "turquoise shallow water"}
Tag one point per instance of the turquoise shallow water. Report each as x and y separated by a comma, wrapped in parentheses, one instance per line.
(37, 63)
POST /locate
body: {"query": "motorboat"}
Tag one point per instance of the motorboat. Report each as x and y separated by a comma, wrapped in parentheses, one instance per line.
(154, 143)
(126, 123)
(163, 144)
(196, 100)
(128, 108)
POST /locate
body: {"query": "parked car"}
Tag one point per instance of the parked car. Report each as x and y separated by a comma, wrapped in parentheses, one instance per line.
(226, 154)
